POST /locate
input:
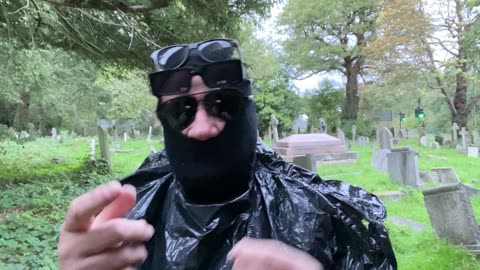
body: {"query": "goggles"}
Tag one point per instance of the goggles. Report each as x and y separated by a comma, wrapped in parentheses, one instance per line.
(177, 81)
(209, 51)
(225, 104)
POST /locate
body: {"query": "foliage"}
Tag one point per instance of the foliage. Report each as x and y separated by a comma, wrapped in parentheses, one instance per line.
(327, 36)
(324, 102)
(105, 32)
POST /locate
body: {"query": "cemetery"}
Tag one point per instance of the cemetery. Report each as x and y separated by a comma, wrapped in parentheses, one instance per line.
(387, 100)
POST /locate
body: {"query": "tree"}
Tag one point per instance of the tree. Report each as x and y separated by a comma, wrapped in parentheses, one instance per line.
(445, 45)
(325, 101)
(122, 31)
(330, 36)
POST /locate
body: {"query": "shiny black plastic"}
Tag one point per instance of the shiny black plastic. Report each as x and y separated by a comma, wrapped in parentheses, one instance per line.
(285, 202)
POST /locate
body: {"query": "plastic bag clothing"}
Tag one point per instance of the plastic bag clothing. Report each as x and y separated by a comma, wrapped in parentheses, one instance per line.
(284, 202)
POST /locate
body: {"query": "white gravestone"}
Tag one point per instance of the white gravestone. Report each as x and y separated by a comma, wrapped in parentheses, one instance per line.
(423, 141)
(149, 136)
(354, 132)
(455, 129)
(92, 149)
(473, 151)
(322, 125)
(54, 134)
(464, 138)
(341, 135)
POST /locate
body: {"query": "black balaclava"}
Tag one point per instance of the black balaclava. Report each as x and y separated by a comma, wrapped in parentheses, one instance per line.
(220, 168)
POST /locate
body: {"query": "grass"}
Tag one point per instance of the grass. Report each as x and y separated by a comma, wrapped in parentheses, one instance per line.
(35, 193)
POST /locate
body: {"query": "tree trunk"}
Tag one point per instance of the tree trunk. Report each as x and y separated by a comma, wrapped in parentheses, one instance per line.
(350, 106)
(22, 116)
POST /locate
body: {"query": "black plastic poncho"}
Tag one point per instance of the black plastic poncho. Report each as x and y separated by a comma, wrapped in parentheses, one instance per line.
(285, 202)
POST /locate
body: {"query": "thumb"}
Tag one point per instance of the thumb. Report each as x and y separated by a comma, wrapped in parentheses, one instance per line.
(119, 207)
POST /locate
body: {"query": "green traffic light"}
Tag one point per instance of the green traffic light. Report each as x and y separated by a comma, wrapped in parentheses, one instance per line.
(404, 119)
(421, 115)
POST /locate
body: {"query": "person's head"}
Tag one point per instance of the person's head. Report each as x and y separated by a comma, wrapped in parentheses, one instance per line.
(209, 120)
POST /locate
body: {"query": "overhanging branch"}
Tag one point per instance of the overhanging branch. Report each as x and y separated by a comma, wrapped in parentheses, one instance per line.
(104, 5)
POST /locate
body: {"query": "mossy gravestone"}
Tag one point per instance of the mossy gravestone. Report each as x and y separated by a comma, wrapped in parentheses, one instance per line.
(103, 141)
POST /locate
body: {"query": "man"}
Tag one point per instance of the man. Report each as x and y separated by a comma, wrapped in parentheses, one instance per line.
(214, 199)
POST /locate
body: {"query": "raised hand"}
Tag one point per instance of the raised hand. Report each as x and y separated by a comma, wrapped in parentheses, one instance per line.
(95, 235)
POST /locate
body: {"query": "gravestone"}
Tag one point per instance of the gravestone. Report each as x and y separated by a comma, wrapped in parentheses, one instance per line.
(354, 132)
(116, 140)
(269, 134)
(385, 138)
(402, 163)
(54, 134)
(149, 136)
(300, 123)
(274, 124)
(446, 175)
(125, 137)
(435, 145)
(362, 141)
(103, 141)
(464, 133)
(92, 149)
(451, 214)
(379, 160)
(473, 151)
(312, 150)
(423, 141)
(455, 129)
(322, 125)
(341, 135)
(402, 134)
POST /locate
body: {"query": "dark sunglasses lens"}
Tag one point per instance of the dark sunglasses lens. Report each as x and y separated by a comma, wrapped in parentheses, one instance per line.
(225, 103)
(223, 73)
(172, 57)
(179, 112)
(219, 50)
(170, 82)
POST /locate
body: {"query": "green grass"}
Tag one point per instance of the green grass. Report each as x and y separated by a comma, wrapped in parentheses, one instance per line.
(35, 193)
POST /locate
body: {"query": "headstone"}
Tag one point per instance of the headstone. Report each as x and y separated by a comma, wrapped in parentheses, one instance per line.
(403, 166)
(274, 124)
(380, 161)
(258, 137)
(435, 145)
(475, 138)
(54, 134)
(402, 134)
(423, 141)
(473, 151)
(92, 149)
(300, 123)
(451, 214)
(24, 134)
(269, 134)
(149, 136)
(322, 125)
(455, 129)
(362, 141)
(125, 137)
(464, 138)
(354, 132)
(446, 175)
(116, 139)
(103, 141)
(341, 135)
(385, 138)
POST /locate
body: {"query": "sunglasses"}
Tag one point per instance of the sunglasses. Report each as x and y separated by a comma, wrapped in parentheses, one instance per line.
(213, 50)
(225, 104)
(177, 81)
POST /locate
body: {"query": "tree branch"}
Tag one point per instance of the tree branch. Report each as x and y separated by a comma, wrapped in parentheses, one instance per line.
(473, 101)
(104, 5)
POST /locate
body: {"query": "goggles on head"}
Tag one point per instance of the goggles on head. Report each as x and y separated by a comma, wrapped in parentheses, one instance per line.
(215, 75)
(180, 112)
(209, 51)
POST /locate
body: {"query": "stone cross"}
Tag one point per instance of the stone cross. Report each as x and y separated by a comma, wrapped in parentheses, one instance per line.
(454, 133)
(464, 137)
(274, 123)
(354, 131)
(322, 125)
(92, 149)
(54, 134)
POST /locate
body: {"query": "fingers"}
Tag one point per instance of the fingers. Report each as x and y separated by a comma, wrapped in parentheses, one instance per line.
(114, 232)
(122, 204)
(125, 257)
(82, 210)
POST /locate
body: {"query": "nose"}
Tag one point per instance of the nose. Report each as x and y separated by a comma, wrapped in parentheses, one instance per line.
(204, 125)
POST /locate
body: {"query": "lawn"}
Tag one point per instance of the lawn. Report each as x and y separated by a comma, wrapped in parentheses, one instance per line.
(39, 179)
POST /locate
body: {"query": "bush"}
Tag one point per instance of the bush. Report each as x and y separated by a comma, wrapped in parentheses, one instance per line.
(6, 133)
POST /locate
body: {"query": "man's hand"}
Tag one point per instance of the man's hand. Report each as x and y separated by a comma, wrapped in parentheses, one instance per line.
(263, 254)
(106, 240)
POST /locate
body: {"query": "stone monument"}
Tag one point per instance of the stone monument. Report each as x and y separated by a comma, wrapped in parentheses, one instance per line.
(322, 125)
(274, 124)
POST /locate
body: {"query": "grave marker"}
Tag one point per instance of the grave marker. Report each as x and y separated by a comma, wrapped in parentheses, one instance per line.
(464, 138)
(274, 123)
(103, 141)
(454, 133)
